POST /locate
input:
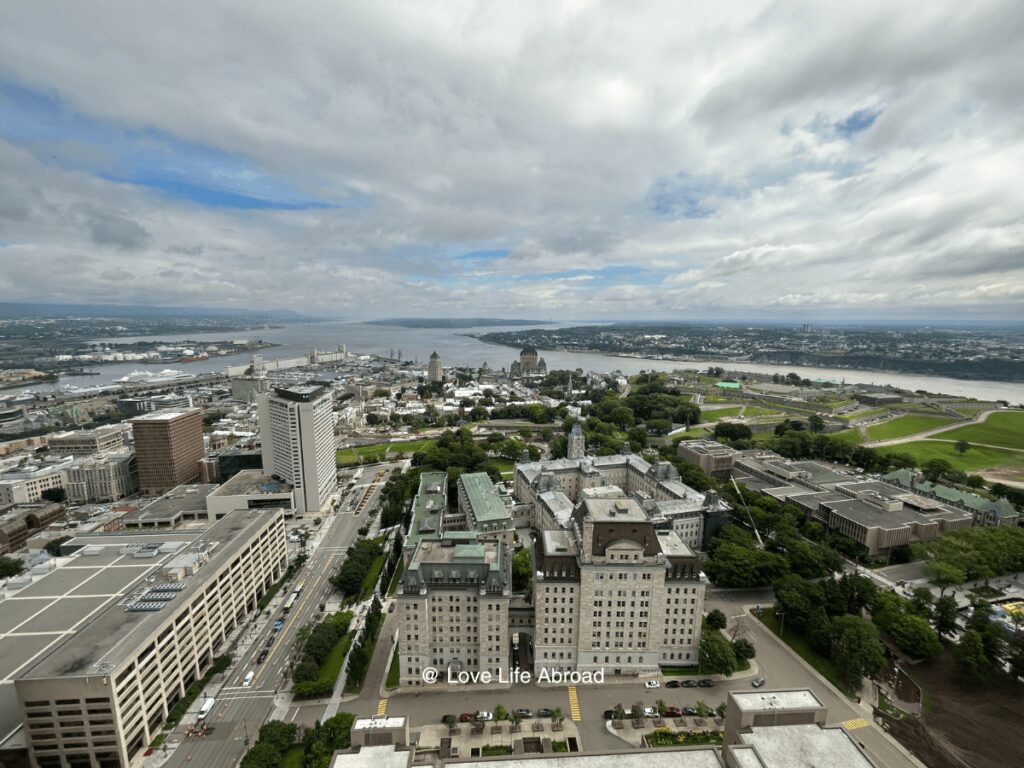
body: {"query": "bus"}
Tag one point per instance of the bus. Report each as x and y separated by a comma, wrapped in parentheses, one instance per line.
(205, 709)
(293, 597)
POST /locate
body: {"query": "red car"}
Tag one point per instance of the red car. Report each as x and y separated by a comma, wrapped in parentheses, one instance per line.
(467, 717)
(672, 712)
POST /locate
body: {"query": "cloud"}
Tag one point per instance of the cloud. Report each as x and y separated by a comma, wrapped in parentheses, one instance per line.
(557, 160)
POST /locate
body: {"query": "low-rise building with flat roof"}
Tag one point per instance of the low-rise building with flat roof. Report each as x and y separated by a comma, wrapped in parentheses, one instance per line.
(186, 502)
(85, 442)
(711, 456)
(250, 489)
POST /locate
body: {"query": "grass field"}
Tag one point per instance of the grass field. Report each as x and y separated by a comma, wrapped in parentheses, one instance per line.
(902, 426)
(331, 667)
(507, 467)
(378, 451)
(394, 671)
(720, 413)
(974, 459)
(1005, 429)
(851, 436)
(756, 410)
(396, 579)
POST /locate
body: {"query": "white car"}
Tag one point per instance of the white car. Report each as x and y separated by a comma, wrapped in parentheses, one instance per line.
(650, 712)
(484, 715)
(652, 684)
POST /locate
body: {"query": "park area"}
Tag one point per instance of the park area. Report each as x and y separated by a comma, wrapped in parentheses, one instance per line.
(902, 426)
(379, 451)
(976, 458)
(1004, 429)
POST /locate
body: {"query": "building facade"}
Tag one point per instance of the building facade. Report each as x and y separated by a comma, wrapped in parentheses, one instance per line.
(100, 697)
(168, 447)
(102, 478)
(435, 371)
(25, 483)
(85, 442)
(530, 363)
(297, 438)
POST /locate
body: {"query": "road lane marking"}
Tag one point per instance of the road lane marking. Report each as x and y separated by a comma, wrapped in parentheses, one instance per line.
(855, 723)
(382, 708)
(574, 704)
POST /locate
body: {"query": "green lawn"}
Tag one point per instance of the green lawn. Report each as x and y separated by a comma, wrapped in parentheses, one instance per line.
(692, 434)
(379, 451)
(294, 758)
(824, 666)
(851, 436)
(756, 410)
(1005, 429)
(720, 413)
(396, 579)
(741, 666)
(332, 665)
(974, 459)
(394, 671)
(902, 426)
(505, 466)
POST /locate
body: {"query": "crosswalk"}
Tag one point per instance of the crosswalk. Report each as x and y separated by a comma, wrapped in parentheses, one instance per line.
(855, 723)
(574, 704)
(382, 708)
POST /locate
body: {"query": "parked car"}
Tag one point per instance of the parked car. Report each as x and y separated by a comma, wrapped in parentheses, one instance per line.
(545, 712)
(484, 715)
(689, 683)
(691, 711)
(524, 713)
(650, 712)
(466, 717)
(652, 684)
(449, 719)
(609, 714)
(673, 684)
(757, 682)
(706, 683)
(262, 657)
(672, 712)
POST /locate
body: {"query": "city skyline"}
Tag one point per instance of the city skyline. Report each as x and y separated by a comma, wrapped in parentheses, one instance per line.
(779, 163)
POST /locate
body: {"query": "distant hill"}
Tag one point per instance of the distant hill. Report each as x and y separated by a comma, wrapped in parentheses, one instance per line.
(144, 311)
(453, 322)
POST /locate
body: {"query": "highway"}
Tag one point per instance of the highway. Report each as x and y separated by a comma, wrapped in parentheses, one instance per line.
(241, 710)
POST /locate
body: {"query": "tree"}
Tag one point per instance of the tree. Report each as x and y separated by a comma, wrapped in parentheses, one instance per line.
(961, 446)
(914, 635)
(816, 423)
(522, 571)
(945, 615)
(261, 756)
(744, 649)
(856, 650)
(10, 567)
(921, 602)
(58, 494)
(970, 656)
(944, 575)
(716, 619)
(500, 713)
(54, 546)
(279, 735)
(716, 654)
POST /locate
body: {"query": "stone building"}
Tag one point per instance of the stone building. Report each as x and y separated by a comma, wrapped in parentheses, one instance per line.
(530, 363)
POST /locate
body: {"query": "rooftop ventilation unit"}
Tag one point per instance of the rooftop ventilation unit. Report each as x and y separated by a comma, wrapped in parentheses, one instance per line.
(144, 607)
(167, 587)
(162, 597)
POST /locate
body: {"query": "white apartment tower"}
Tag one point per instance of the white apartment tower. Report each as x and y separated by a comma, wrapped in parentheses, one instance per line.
(297, 437)
(435, 371)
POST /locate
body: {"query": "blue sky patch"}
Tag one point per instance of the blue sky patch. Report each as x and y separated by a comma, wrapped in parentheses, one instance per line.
(857, 122)
(44, 125)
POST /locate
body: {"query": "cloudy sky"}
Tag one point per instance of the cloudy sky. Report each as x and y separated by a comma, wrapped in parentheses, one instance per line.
(634, 160)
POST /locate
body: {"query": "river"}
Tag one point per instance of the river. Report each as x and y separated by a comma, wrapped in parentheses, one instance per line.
(455, 348)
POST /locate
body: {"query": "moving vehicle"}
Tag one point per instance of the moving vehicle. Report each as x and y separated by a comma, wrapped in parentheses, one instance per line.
(652, 684)
(757, 682)
(293, 597)
(205, 709)
(278, 625)
(248, 679)
(262, 657)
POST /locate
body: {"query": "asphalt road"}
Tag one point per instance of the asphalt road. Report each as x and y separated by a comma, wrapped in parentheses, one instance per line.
(241, 710)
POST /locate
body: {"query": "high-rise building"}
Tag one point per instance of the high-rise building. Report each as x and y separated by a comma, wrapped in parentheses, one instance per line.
(435, 372)
(577, 443)
(297, 438)
(168, 447)
(104, 477)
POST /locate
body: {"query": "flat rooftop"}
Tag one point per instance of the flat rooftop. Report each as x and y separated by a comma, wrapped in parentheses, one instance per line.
(190, 499)
(661, 758)
(805, 746)
(871, 516)
(672, 545)
(615, 510)
(163, 415)
(439, 552)
(72, 622)
(388, 756)
(249, 482)
(560, 542)
(756, 701)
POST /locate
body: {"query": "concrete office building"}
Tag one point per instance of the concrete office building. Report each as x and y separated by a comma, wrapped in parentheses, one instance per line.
(103, 477)
(712, 457)
(250, 489)
(155, 614)
(435, 372)
(297, 438)
(248, 388)
(613, 592)
(25, 482)
(85, 442)
(168, 447)
(133, 406)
